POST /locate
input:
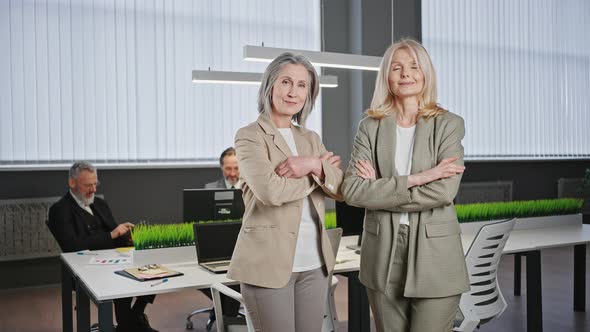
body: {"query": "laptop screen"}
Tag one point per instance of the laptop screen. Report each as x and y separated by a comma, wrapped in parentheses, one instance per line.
(216, 241)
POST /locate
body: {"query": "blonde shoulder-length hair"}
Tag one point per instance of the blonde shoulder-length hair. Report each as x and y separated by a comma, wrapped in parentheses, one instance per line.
(383, 103)
(271, 75)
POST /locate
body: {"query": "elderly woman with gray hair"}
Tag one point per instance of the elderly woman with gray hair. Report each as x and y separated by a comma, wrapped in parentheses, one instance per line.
(283, 256)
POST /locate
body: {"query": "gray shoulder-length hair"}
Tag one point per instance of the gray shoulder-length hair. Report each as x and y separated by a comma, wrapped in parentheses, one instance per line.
(80, 166)
(272, 73)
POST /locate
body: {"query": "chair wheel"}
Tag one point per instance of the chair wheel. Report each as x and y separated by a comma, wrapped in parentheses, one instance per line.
(189, 325)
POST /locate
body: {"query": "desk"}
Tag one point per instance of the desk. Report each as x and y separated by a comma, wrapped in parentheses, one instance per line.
(101, 285)
(528, 242)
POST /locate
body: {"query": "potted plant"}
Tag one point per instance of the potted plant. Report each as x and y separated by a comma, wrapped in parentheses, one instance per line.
(330, 219)
(528, 214)
(167, 243)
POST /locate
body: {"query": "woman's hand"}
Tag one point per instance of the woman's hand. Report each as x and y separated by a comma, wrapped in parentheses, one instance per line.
(333, 159)
(365, 170)
(297, 167)
(445, 169)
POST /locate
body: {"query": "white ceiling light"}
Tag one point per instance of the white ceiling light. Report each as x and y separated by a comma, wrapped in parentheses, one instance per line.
(233, 77)
(321, 59)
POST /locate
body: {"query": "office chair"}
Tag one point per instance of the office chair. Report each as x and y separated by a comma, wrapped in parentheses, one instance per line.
(94, 327)
(330, 318)
(210, 320)
(484, 301)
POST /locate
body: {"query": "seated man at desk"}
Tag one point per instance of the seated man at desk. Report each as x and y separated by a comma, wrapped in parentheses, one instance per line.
(231, 173)
(81, 221)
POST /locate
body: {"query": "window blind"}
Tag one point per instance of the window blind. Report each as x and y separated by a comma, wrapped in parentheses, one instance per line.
(110, 81)
(517, 71)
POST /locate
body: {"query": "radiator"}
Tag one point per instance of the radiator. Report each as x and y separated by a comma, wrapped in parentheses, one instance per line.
(480, 192)
(23, 232)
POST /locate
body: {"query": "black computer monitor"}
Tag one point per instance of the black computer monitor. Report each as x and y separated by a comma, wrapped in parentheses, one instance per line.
(212, 204)
(349, 218)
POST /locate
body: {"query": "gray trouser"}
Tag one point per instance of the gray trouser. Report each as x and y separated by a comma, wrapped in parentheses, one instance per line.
(395, 313)
(297, 307)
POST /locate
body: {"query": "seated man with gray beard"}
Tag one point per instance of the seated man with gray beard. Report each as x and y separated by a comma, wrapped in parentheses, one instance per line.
(81, 221)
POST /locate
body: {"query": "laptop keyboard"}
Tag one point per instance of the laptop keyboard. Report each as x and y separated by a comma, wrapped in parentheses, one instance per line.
(218, 264)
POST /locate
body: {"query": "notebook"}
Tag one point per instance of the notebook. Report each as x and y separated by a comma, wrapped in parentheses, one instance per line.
(148, 272)
(215, 242)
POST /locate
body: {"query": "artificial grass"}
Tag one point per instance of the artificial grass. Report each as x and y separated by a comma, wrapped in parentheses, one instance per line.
(162, 236)
(518, 209)
(330, 219)
(177, 235)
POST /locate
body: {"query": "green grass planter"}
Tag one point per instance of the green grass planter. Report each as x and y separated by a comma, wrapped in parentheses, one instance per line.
(528, 214)
(177, 235)
(162, 236)
(166, 236)
(518, 209)
(330, 219)
(165, 244)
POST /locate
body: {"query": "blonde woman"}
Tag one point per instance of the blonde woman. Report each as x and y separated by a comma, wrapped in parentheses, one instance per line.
(406, 166)
(283, 255)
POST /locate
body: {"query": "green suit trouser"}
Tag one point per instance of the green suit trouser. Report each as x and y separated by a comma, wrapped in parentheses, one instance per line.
(395, 313)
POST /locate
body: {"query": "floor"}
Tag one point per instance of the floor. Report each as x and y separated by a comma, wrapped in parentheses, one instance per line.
(39, 309)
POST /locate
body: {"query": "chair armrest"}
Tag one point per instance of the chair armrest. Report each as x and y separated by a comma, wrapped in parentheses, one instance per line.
(334, 282)
(216, 290)
(223, 289)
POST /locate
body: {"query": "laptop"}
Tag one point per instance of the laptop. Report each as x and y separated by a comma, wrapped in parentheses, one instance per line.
(215, 242)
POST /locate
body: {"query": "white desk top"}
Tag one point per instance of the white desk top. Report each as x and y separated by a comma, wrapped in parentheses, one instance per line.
(539, 238)
(104, 284)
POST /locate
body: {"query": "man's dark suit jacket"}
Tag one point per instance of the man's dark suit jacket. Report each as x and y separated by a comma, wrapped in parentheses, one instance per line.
(75, 229)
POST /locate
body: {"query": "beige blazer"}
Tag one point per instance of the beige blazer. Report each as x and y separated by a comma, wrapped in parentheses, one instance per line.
(436, 265)
(265, 249)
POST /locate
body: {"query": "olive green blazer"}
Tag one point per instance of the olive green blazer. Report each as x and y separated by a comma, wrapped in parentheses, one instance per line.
(436, 263)
(265, 249)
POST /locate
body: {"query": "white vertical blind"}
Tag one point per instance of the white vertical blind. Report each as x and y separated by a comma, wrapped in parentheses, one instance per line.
(517, 71)
(110, 80)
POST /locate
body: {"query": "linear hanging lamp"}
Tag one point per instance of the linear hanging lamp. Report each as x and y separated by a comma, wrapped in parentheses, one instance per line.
(233, 77)
(321, 59)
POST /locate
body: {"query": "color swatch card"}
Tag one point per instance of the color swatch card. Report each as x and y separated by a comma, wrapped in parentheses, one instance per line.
(111, 261)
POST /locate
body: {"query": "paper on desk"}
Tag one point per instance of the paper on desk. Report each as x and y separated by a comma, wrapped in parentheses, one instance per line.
(125, 251)
(111, 261)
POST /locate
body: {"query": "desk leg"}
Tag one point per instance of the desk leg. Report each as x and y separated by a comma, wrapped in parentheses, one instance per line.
(534, 299)
(580, 277)
(359, 318)
(105, 316)
(67, 286)
(517, 277)
(82, 309)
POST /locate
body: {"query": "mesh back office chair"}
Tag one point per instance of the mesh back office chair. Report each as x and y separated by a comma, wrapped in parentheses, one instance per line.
(330, 318)
(484, 301)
